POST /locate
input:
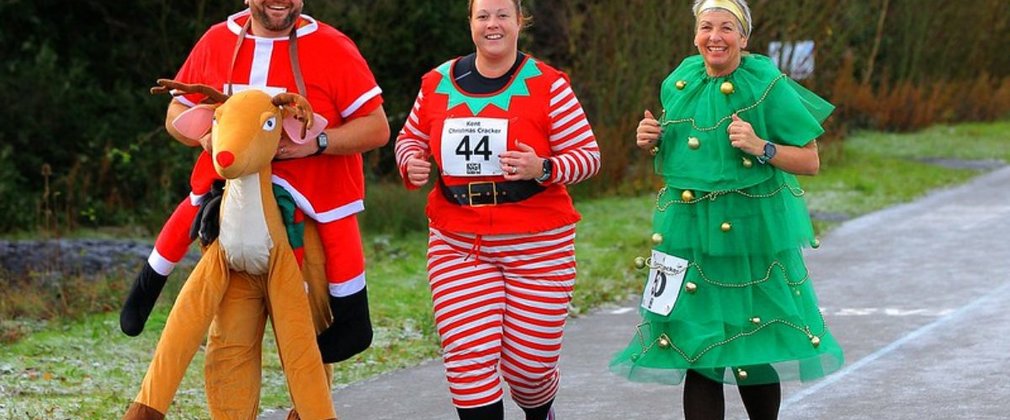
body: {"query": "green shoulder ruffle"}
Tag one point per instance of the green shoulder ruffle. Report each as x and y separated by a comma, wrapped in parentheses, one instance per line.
(694, 152)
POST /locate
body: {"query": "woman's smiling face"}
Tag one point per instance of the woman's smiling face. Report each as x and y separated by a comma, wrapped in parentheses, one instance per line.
(494, 27)
(719, 41)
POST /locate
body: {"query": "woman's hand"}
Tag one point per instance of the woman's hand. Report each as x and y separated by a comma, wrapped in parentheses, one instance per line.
(647, 135)
(418, 169)
(521, 164)
(795, 160)
(742, 136)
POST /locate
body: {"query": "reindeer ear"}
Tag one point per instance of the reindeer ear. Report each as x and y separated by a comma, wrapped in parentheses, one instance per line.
(195, 122)
(293, 128)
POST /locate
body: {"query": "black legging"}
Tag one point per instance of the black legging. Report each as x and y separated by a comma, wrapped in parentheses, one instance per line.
(496, 411)
(704, 399)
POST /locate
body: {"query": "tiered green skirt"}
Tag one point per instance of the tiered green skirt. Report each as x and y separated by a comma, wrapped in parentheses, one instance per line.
(746, 312)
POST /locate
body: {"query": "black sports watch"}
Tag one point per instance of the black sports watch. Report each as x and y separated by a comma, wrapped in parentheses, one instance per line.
(323, 141)
(548, 170)
(770, 151)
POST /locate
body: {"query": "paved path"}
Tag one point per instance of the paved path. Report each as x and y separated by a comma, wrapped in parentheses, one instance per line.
(918, 295)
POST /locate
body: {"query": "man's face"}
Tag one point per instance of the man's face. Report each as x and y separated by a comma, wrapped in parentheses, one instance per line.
(276, 17)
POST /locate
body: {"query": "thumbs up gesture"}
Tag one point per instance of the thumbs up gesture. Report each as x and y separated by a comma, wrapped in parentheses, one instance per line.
(648, 132)
(742, 136)
(418, 169)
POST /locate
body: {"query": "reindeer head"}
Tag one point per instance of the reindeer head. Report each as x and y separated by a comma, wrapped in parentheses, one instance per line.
(246, 127)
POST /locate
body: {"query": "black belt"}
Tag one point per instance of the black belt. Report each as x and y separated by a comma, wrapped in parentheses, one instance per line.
(489, 193)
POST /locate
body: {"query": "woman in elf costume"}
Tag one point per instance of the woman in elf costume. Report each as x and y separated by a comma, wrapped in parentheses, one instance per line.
(507, 135)
(729, 299)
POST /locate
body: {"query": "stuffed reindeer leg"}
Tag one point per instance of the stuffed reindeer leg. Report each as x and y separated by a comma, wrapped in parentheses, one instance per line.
(185, 329)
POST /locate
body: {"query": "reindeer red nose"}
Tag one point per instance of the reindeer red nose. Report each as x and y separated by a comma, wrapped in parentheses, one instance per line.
(225, 159)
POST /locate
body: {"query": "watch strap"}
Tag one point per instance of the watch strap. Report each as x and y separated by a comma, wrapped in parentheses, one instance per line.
(548, 171)
(322, 141)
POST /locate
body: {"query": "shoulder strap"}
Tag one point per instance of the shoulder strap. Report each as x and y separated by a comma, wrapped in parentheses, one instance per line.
(292, 52)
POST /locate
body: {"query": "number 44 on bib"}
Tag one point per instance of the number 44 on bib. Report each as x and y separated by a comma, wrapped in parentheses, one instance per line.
(471, 146)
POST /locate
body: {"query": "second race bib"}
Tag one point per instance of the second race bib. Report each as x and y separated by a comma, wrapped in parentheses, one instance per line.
(666, 274)
(470, 146)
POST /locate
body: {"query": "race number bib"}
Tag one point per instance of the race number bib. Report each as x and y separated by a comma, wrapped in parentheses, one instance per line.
(470, 146)
(666, 274)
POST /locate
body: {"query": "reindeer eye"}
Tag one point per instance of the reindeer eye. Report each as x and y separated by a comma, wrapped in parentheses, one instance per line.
(270, 123)
(213, 121)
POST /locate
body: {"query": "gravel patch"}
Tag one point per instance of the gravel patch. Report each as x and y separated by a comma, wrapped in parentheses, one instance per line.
(73, 257)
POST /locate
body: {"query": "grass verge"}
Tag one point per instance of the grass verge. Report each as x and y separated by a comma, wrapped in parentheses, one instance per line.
(81, 366)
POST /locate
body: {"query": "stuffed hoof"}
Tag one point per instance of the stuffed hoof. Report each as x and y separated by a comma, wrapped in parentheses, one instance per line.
(351, 330)
(140, 301)
(138, 411)
(293, 415)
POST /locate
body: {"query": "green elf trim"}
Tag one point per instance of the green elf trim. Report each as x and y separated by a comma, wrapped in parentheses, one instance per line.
(501, 99)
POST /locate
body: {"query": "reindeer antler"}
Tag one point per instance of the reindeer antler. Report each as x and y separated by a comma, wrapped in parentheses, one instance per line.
(297, 104)
(176, 89)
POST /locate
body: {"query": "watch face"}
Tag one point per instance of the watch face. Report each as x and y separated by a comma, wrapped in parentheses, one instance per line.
(323, 140)
(770, 150)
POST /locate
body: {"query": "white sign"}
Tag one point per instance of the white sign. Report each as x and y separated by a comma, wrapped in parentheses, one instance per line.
(794, 58)
(666, 275)
(471, 146)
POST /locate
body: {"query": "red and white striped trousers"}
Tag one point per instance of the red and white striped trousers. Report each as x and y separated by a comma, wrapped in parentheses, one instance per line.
(500, 302)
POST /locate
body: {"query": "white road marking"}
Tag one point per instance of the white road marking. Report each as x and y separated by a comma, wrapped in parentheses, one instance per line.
(986, 299)
(886, 311)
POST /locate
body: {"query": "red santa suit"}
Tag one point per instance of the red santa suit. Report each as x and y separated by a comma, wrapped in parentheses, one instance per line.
(328, 188)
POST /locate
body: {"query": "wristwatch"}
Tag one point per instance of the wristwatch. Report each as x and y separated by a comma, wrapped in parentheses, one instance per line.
(548, 170)
(322, 140)
(770, 151)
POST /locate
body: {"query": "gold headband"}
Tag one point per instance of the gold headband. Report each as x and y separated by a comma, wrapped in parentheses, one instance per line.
(729, 6)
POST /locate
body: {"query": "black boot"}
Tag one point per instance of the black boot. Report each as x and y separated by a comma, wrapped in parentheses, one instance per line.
(495, 411)
(351, 330)
(140, 301)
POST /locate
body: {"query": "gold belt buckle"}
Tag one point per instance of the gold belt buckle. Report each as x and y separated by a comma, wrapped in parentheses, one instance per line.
(494, 193)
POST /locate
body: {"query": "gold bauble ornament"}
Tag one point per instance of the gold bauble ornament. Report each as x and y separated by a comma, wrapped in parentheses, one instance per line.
(690, 287)
(742, 374)
(653, 151)
(657, 238)
(726, 226)
(693, 143)
(639, 262)
(726, 87)
(815, 340)
(681, 84)
(747, 163)
(664, 342)
(755, 320)
(687, 196)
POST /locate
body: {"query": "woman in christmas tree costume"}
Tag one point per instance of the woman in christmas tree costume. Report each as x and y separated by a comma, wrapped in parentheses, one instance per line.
(729, 299)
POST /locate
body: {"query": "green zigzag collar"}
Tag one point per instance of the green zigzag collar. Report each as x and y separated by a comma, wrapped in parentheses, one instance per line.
(517, 87)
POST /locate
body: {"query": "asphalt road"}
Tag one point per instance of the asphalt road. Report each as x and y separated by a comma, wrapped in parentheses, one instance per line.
(918, 295)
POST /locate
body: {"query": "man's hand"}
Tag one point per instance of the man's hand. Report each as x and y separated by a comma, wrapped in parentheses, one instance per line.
(288, 149)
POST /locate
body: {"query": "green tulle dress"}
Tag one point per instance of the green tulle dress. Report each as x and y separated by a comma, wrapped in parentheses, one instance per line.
(746, 312)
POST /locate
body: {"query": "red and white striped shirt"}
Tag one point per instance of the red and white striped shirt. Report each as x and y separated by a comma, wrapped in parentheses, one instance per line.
(546, 115)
